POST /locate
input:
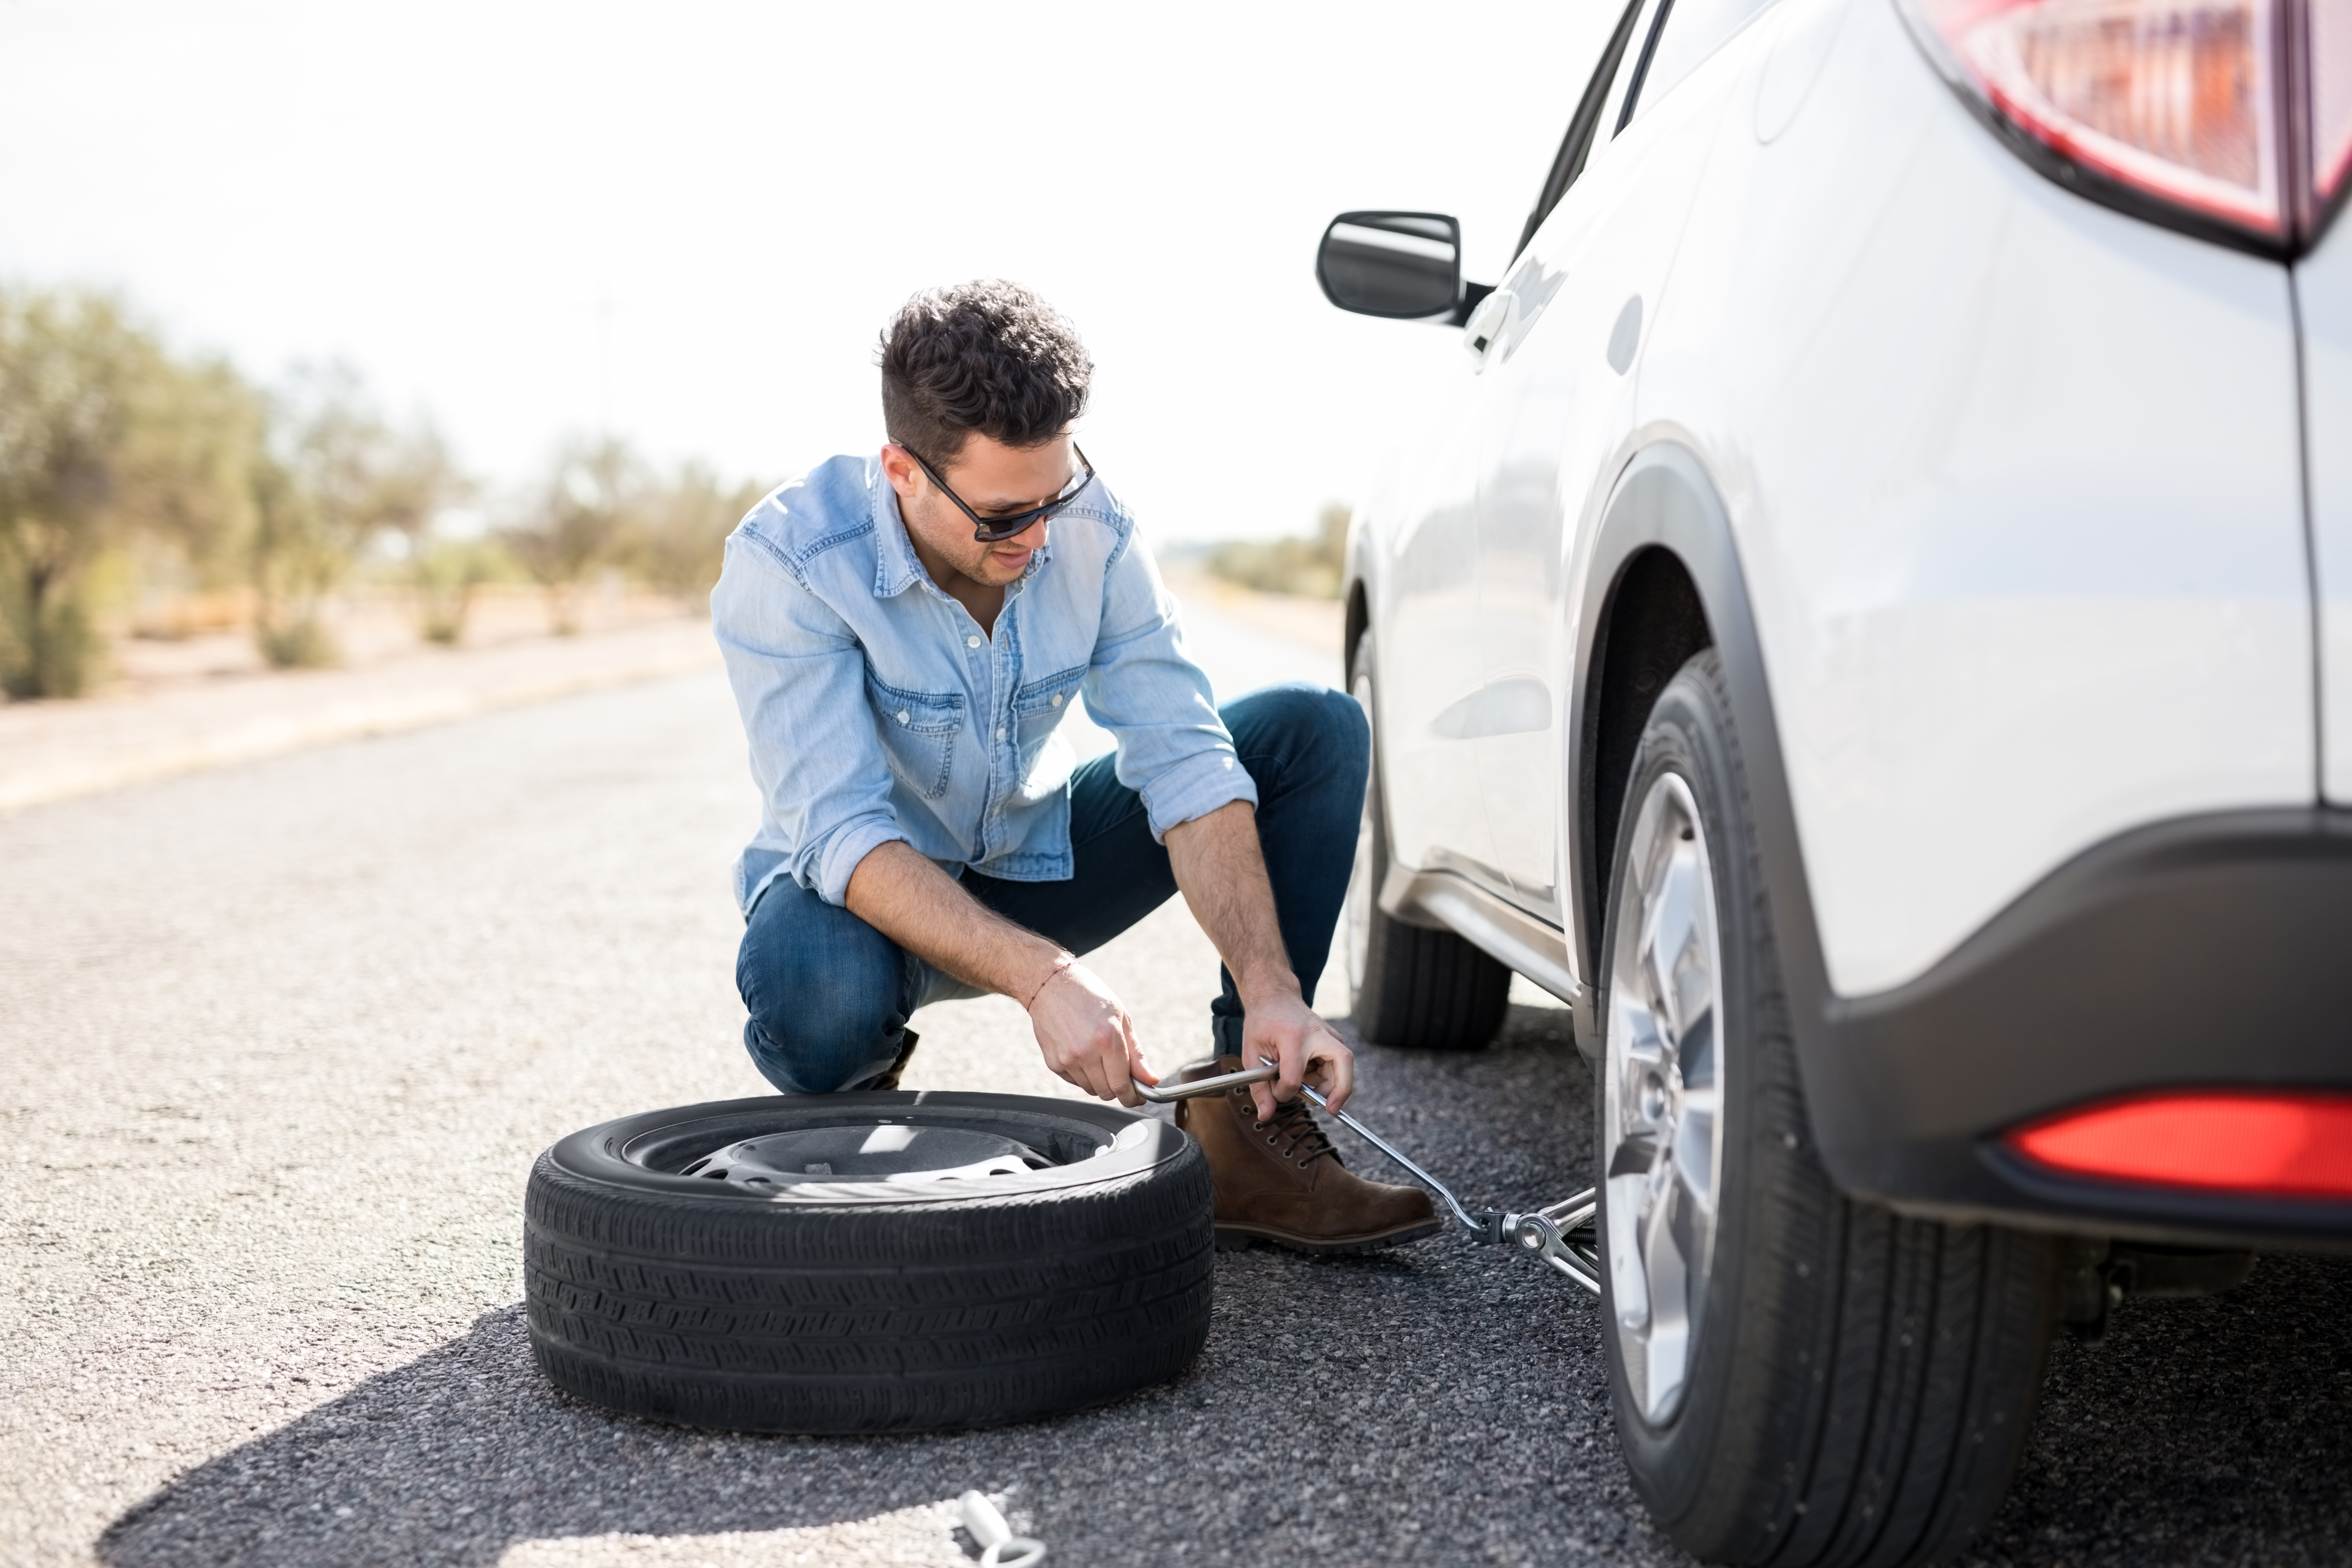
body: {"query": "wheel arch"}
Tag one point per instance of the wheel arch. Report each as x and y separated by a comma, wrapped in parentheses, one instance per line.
(1358, 618)
(1663, 581)
(1650, 623)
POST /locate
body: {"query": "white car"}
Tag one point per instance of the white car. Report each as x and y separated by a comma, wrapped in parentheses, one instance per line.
(1872, 630)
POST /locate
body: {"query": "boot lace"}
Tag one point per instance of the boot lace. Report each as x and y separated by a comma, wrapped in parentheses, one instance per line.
(1294, 1133)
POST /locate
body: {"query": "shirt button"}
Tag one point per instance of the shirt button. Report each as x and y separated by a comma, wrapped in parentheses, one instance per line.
(1058, 700)
(1000, 732)
(903, 716)
(973, 641)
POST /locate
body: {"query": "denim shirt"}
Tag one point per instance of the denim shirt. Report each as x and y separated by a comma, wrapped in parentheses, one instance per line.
(876, 709)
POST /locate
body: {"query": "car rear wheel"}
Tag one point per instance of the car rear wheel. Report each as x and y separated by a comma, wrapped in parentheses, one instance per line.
(1797, 1376)
(1412, 985)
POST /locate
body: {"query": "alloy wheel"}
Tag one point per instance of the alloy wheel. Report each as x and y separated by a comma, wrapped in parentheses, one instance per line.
(1663, 1123)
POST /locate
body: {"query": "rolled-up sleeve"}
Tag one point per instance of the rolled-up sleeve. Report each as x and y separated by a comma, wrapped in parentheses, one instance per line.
(1142, 687)
(799, 681)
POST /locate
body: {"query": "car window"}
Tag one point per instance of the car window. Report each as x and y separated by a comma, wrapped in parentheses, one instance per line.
(1629, 71)
(1576, 145)
(1688, 32)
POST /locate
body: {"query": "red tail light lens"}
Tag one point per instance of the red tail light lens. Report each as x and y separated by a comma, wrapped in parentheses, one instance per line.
(2331, 98)
(2234, 114)
(2259, 1145)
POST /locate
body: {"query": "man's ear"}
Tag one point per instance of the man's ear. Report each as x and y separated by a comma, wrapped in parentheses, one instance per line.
(903, 472)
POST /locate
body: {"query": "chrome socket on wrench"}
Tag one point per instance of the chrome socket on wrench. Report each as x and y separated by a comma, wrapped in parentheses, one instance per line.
(1562, 1235)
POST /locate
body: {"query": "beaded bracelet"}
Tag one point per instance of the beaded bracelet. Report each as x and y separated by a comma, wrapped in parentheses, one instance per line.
(1064, 962)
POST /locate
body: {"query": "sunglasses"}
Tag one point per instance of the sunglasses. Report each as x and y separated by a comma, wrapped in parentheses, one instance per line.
(998, 528)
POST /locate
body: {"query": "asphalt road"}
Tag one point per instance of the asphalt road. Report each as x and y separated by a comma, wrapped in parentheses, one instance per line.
(278, 1045)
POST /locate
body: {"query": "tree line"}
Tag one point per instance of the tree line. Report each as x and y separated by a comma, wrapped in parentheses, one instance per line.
(1310, 567)
(117, 456)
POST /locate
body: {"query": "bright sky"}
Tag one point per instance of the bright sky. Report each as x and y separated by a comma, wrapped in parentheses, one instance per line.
(688, 221)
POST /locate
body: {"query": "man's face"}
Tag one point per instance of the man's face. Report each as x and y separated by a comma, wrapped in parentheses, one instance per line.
(994, 480)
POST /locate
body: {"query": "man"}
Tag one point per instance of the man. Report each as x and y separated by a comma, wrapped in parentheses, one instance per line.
(904, 633)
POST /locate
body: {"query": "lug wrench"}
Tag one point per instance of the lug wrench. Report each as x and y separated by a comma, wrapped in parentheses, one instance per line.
(1563, 1235)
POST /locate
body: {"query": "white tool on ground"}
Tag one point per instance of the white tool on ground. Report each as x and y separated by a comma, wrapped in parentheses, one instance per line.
(1560, 1235)
(999, 1547)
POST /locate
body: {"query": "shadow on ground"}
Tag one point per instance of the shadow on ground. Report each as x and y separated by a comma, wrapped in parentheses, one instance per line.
(1442, 1402)
(2198, 1431)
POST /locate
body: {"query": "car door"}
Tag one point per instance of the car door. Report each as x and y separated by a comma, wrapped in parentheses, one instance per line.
(1429, 657)
(1561, 366)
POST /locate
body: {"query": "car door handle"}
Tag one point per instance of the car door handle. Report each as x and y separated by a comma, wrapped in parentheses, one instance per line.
(1486, 324)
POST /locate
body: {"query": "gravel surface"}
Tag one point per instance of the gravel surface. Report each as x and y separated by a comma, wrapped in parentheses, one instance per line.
(282, 1040)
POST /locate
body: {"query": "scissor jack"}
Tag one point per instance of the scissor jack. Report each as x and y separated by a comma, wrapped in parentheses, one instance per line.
(1562, 1234)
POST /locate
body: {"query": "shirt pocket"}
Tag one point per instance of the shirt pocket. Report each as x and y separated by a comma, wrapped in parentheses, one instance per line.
(918, 734)
(1039, 707)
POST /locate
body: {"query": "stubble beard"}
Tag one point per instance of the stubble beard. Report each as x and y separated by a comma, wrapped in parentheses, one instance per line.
(975, 573)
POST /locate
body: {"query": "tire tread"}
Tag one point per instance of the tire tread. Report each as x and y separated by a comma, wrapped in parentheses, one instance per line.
(869, 1317)
(1885, 1367)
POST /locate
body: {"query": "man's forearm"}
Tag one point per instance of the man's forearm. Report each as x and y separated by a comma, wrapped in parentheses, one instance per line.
(1221, 868)
(910, 901)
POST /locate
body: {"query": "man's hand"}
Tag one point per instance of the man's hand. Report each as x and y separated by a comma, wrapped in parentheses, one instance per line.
(1221, 870)
(1086, 1038)
(1285, 1030)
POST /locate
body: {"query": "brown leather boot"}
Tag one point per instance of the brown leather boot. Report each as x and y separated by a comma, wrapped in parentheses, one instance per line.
(1281, 1180)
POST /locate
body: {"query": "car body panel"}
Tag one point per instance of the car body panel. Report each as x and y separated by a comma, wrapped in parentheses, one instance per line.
(1428, 648)
(1994, 501)
(2198, 950)
(2014, 481)
(1563, 366)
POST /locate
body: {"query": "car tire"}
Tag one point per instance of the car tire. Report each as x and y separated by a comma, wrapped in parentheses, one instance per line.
(1797, 1376)
(1412, 985)
(702, 1266)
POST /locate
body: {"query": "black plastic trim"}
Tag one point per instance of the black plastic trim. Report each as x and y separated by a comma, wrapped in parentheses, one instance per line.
(1576, 146)
(1641, 68)
(2202, 951)
(2173, 1215)
(1664, 499)
(2208, 951)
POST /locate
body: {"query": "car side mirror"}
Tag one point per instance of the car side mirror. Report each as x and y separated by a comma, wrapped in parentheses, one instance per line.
(1400, 265)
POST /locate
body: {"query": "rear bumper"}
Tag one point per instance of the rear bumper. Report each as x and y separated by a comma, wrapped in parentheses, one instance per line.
(2210, 951)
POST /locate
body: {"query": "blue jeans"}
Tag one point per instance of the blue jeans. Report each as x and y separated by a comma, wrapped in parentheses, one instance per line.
(830, 996)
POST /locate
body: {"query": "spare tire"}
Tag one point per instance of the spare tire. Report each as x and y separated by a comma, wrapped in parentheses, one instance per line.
(882, 1262)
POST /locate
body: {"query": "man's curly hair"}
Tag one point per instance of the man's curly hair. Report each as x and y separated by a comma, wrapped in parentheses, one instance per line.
(989, 356)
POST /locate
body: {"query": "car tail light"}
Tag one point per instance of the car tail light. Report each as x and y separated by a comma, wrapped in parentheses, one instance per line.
(2230, 118)
(2258, 1144)
(2331, 99)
